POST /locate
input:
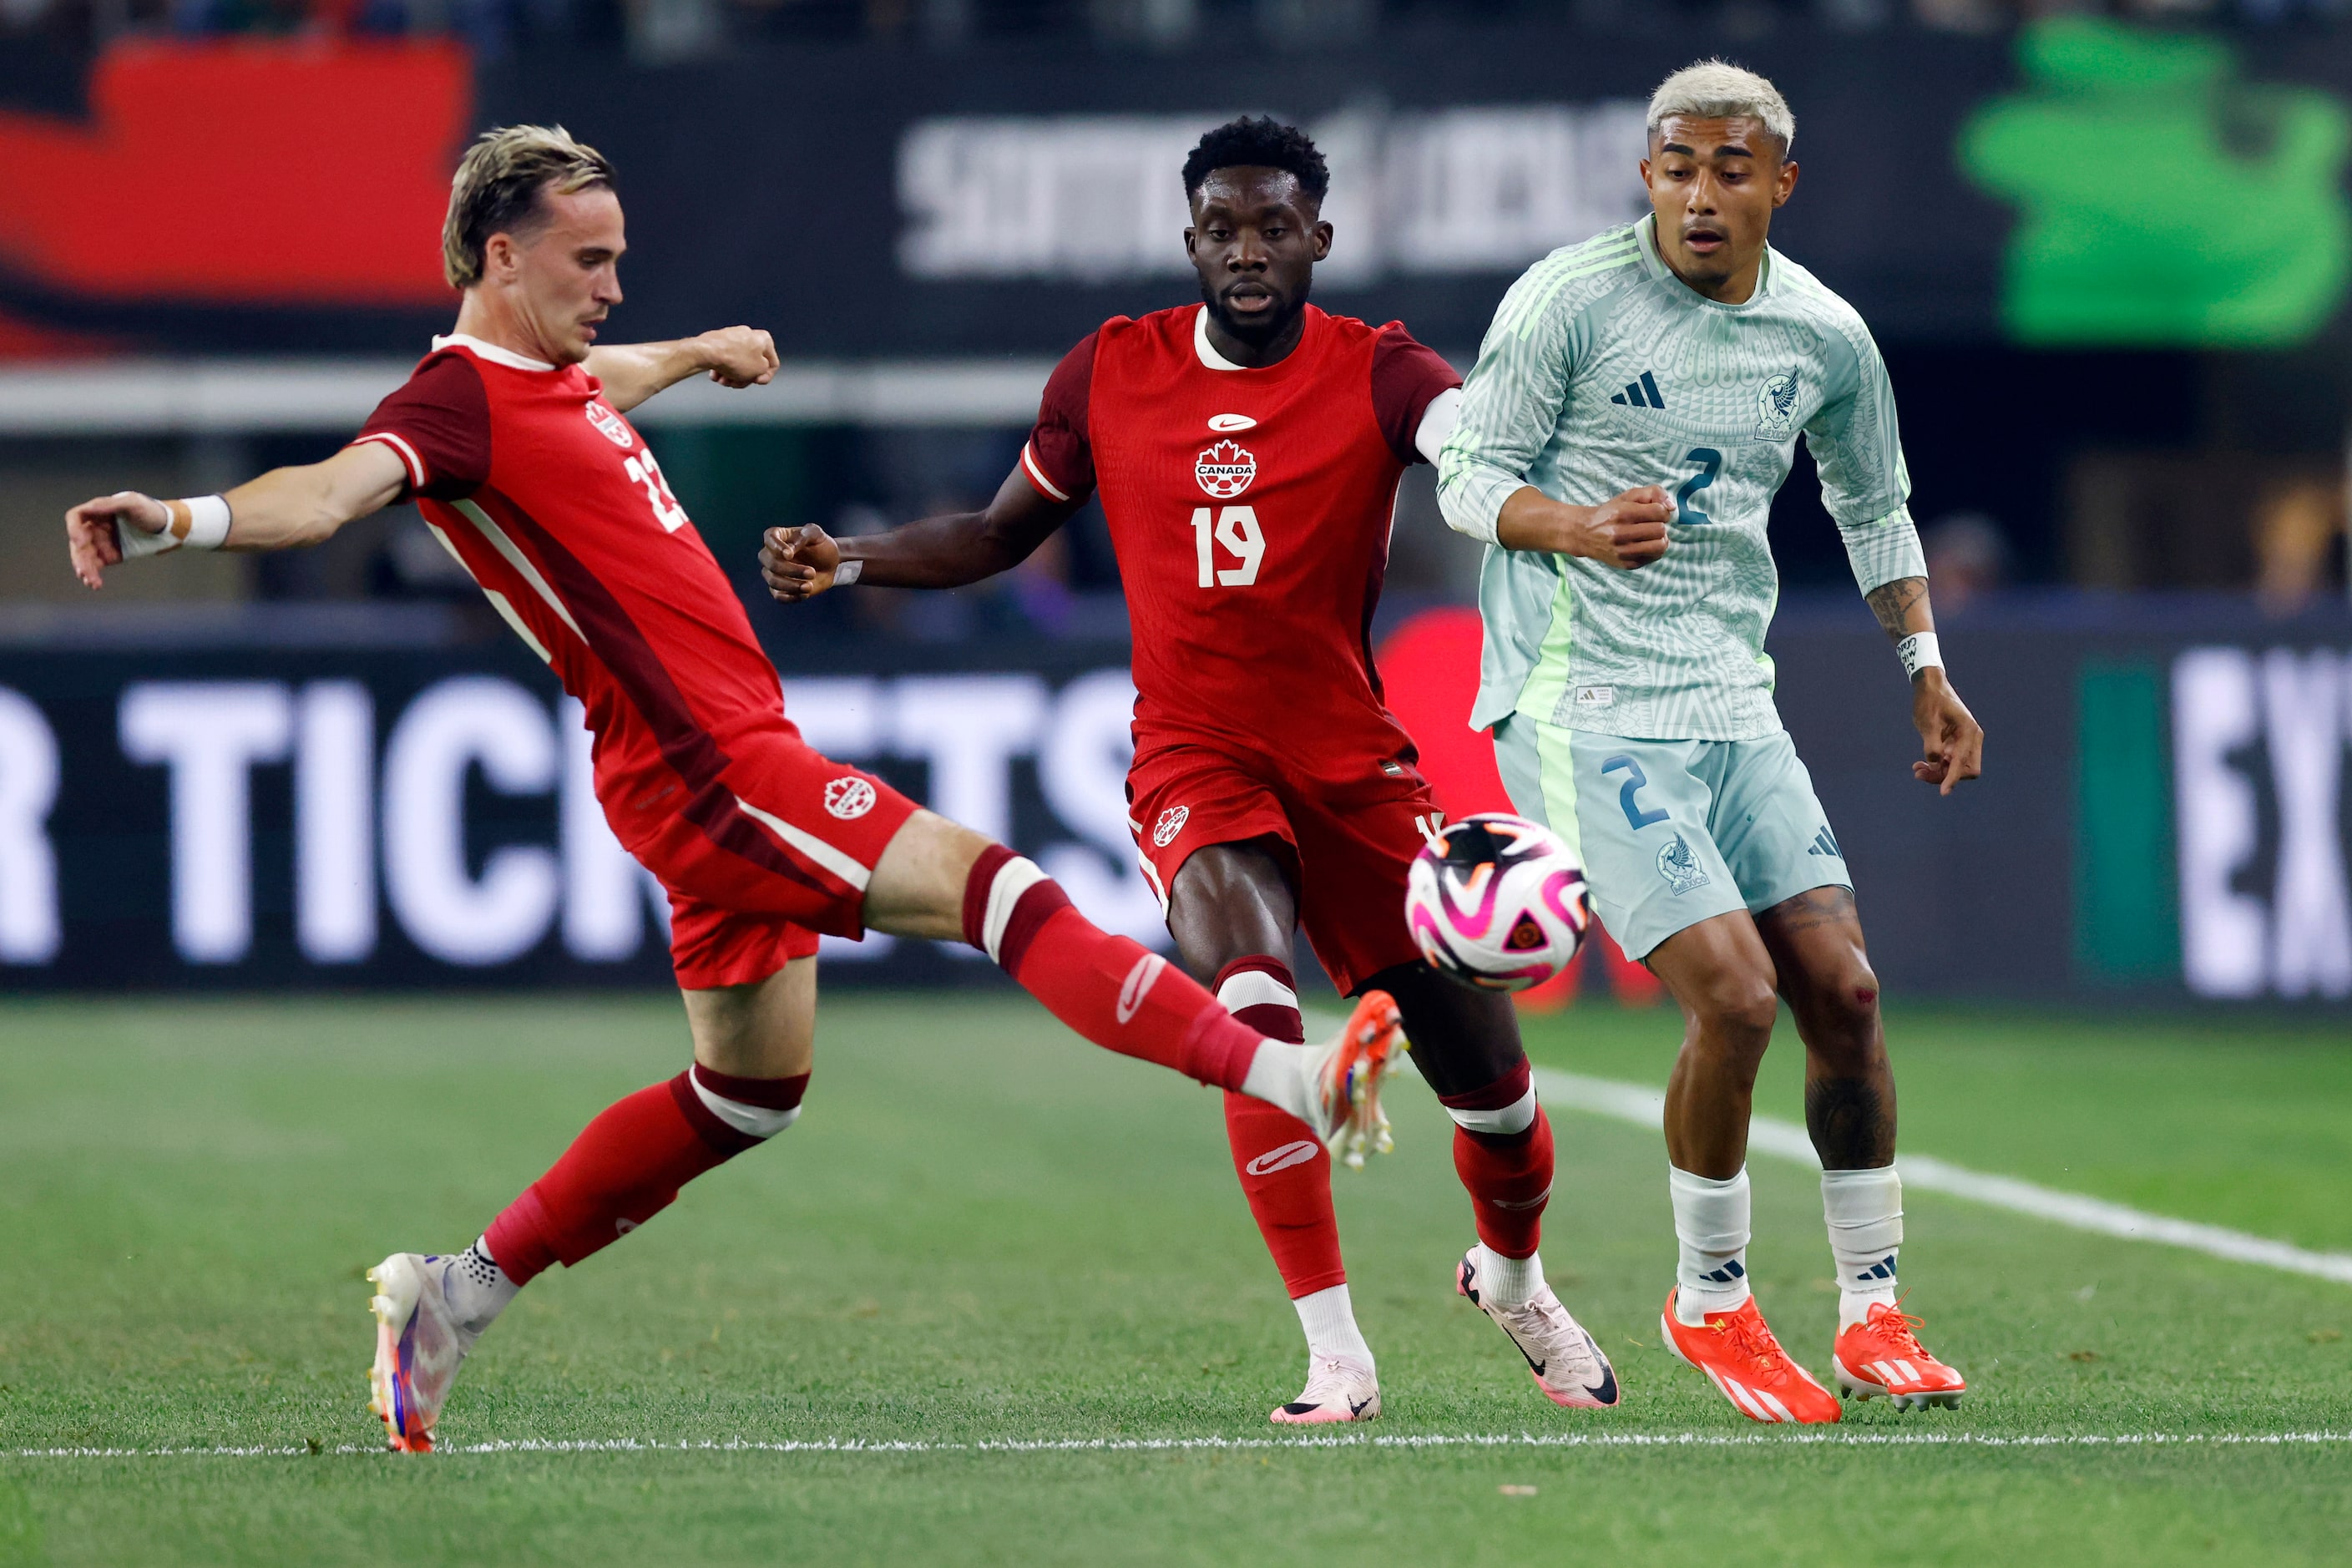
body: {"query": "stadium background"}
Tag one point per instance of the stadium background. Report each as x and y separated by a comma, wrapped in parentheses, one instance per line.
(2124, 399)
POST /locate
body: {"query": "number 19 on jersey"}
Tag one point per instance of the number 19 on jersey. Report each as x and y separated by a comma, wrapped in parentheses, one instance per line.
(1236, 528)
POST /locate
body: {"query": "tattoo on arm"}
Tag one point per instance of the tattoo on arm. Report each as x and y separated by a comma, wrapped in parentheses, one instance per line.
(1852, 1128)
(1891, 602)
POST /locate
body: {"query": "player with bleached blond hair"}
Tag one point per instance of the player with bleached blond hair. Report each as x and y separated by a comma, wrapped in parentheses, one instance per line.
(511, 437)
(1634, 409)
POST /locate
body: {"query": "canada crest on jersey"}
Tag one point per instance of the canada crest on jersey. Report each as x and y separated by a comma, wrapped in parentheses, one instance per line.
(1226, 469)
(613, 428)
(1775, 408)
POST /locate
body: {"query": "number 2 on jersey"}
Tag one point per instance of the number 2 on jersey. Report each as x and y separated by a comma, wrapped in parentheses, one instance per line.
(646, 472)
(1236, 529)
(1710, 463)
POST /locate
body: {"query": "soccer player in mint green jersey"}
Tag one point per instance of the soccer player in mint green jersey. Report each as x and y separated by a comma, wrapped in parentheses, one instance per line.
(1634, 407)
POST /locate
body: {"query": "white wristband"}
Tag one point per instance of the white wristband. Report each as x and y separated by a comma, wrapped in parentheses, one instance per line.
(1919, 651)
(848, 572)
(207, 522)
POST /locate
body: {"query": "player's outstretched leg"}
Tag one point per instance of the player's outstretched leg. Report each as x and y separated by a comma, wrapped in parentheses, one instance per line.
(1467, 1044)
(626, 1166)
(940, 880)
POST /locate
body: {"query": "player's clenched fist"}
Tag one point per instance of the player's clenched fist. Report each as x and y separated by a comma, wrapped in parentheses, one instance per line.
(91, 539)
(740, 356)
(798, 563)
(1625, 532)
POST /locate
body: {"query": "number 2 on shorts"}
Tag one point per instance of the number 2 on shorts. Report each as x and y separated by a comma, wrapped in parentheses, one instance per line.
(1635, 779)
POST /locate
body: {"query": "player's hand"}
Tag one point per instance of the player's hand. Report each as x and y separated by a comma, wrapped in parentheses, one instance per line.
(1627, 532)
(798, 563)
(91, 539)
(1948, 733)
(740, 356)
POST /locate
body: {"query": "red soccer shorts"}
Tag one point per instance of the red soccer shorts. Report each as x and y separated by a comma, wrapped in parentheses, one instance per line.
(1349, 832)
(778, 850)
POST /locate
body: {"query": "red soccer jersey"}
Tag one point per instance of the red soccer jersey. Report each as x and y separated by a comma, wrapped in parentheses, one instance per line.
(549, 498)
(1250, 509)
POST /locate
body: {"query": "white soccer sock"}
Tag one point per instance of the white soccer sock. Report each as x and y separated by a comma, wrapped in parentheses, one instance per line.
(1711, 1227)
(1278, 1075)
(475, 1287)
(1330, 1318)
(1865, 1211)
(1508, 1281)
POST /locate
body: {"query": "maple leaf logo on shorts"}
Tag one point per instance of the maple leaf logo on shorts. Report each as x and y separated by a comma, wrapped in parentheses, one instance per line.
(1226, 469)
(1171, 823)
(849, 798)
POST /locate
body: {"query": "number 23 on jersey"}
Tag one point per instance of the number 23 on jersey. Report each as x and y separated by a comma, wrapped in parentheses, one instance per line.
(1236, 529)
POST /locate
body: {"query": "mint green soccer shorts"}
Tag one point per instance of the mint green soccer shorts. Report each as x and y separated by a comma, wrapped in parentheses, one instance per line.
(1671, 832)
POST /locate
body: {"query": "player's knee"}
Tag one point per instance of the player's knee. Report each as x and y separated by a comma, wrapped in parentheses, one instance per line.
(754, 1109)
(1739, 1008)
(1841, 1005)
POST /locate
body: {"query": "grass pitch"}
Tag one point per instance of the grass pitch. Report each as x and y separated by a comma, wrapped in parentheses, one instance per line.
(985, 1232)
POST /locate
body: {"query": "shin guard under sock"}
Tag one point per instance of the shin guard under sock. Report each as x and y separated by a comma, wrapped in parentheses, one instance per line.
(1286, 1173)
(1114, 991)
(1503, 1153)
(628, 1164)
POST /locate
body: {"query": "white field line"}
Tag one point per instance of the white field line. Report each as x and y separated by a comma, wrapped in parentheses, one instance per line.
(1161, 1445)
(1785, 1140)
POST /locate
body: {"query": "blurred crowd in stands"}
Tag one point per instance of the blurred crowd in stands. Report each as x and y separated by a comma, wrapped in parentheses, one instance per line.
(673, 29)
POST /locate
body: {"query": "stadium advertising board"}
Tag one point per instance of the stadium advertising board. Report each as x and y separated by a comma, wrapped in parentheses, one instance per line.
(1005, 200)
(386, 819)
(2164, 813)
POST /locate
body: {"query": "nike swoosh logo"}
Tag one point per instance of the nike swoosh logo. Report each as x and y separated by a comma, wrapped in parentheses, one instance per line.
(1356, 1407)
(1139, 981)
(1231, 422)
(1531, 1360)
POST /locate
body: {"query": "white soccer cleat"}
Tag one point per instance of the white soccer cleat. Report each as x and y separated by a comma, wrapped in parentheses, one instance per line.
(1336, 1390)
(419, 1345)
(1564, 1360)
(1344, 1080)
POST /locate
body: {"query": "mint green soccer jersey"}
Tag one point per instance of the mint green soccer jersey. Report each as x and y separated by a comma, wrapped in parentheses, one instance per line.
(1603, 372)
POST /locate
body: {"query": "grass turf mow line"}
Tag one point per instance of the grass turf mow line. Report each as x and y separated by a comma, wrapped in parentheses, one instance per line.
(890, 1446)
(1787, 1140)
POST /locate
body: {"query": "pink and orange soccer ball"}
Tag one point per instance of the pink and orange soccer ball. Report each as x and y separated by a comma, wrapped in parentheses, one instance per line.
(1497, 902)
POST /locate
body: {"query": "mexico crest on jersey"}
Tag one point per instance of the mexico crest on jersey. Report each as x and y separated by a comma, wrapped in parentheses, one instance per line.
(613, 428)
(1775, 408)
(1226, 469)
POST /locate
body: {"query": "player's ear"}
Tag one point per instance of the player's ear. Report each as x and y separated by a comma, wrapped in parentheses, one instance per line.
(1785, 184)
(1322, 232)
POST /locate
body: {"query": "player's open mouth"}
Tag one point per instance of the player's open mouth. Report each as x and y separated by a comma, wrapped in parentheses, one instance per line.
(1248, 302)
(1703, 239)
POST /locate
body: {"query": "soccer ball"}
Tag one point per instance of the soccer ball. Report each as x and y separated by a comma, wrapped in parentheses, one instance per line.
(1497, 902)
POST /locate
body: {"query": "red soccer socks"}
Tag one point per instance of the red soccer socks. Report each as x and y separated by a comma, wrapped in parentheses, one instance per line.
(1114, 991)
(1501, 1152)
(628, 1164)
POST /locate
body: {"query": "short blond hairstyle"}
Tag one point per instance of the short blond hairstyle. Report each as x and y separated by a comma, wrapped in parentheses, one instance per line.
(1717, 90)
(497, 185)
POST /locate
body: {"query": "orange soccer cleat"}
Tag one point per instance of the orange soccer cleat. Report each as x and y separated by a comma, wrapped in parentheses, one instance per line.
(1740, 1357)
(1882, 1355)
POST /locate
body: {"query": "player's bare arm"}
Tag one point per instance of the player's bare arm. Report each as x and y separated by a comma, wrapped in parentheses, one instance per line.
(946, 552)
(734, 357)
(1627, 532)
(1952, 740)
(283, 510)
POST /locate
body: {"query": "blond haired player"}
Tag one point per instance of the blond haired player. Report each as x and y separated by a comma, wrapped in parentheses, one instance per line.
(512, 438)
(1634, 409)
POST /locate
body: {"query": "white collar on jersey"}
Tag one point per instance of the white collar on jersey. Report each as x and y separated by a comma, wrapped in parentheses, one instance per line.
(491, 351)
(1205, 348)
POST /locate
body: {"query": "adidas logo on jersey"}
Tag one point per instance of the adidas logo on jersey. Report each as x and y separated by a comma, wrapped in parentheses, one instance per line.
(1641, 394)
(1825, 843)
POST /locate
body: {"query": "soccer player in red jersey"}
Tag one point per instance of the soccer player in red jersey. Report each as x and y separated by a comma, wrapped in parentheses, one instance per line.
(1247, 451)
(511, 436)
